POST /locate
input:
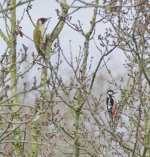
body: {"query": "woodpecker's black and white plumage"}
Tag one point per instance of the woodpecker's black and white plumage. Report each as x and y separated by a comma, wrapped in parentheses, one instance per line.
(111, 105)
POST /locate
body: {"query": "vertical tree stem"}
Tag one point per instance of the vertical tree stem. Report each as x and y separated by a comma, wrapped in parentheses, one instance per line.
(13, 75)
(77, 142)
(79, 92)
(40, 114)
(13, 71)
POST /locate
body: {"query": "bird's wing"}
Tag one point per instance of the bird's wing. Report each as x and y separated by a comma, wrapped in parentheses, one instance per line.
(37, 38)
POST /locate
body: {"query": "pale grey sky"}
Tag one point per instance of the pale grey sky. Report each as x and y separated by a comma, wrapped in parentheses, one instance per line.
(47, 8)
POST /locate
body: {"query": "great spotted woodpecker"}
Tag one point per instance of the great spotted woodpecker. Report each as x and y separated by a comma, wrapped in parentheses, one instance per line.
(111, 105)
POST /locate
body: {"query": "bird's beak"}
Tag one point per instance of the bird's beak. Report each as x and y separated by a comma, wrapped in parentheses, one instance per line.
(115, 93)
(48, 18)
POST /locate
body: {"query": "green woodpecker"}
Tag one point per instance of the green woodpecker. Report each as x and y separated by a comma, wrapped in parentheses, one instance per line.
(39, 36)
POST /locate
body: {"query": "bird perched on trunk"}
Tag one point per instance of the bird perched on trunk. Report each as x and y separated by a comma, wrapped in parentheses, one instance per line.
(39, 36)
(111, 105)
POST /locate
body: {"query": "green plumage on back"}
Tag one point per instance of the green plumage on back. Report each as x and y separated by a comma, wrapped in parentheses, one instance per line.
(39, 36)
(36, 37)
